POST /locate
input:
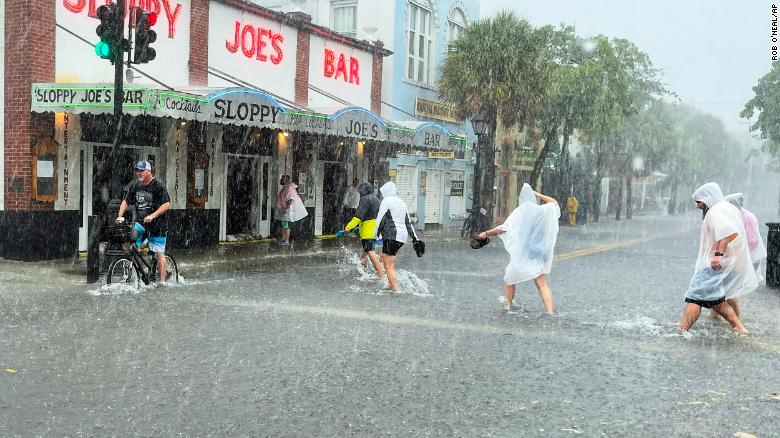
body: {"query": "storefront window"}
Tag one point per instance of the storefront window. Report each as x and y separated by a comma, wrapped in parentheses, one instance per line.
(138, 130)
(248, 140)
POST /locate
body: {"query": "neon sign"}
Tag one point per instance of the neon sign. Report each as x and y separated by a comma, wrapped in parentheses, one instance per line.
(171, 13)
(340, 67)
(253, 40)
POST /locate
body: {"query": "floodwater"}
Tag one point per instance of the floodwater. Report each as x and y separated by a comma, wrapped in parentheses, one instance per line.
(307, 342)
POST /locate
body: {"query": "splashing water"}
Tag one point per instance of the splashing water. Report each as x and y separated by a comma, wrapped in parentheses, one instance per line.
(408, 282)
(118, 289)
(644, 324)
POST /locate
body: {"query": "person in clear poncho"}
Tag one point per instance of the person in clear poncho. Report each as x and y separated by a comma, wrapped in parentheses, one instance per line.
(723, 267)
(752, 230)
(529, 235)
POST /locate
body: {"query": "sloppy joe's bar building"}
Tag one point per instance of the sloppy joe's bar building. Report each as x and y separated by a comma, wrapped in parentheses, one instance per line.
(237, 96)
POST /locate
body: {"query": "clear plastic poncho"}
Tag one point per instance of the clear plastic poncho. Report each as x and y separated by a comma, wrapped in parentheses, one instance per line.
(737, 276)
(752, 229)
(529, 237)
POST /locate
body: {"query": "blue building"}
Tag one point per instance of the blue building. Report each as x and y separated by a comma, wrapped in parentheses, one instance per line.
(435, 185)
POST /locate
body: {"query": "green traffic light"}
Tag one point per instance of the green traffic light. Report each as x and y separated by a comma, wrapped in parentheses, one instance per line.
(102, 50)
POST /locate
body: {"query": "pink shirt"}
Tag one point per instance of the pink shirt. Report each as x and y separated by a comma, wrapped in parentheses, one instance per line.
(751, 229)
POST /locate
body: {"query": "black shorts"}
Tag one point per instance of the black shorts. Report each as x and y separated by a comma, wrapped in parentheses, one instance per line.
(391, 247)
(368, 244)
(706, 304)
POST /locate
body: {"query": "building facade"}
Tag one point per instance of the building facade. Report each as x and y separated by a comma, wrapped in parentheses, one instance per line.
(237, 96)
(437, 187)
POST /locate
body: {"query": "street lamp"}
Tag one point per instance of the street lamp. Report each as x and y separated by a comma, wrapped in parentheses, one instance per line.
(480, 124)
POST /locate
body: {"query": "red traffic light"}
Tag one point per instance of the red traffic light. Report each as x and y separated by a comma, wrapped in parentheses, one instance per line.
(151, 18)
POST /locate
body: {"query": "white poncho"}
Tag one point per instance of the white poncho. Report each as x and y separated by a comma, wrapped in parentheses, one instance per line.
(529, 237)
(737, 276)
(752, 229)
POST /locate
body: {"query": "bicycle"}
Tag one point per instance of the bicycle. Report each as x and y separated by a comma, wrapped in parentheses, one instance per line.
(473, 222)
(131, 267)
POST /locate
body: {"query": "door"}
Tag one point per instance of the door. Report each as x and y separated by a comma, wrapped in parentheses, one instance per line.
(241, 190)
(434, 197)
(333, 187)
(94, 198)
(262, 210)
(406, 184)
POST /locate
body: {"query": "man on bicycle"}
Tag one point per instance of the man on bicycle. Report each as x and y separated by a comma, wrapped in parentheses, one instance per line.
(151, 201)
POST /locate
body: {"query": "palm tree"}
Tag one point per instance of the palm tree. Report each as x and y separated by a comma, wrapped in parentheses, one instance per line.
(496, 68)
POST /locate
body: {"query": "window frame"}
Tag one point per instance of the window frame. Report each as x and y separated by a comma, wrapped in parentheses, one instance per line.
(344, 4)
(413, 59)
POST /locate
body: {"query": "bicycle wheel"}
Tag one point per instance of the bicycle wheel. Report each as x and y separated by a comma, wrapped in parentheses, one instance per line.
(122, 271)
(171, 270)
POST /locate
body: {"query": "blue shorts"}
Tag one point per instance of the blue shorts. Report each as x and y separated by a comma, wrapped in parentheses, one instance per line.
(156, 243)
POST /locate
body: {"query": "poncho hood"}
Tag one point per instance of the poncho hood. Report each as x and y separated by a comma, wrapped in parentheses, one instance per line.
(737, 199)
(710, 194)
(388, 189)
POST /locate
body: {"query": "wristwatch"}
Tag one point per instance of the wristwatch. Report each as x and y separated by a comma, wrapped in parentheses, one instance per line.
(718, 254)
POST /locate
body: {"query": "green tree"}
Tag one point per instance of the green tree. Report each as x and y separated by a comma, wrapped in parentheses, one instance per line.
(628, 83)
(496, 67)
(766, 103)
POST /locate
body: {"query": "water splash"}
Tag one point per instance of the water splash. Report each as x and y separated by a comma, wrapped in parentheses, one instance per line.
(409, 283)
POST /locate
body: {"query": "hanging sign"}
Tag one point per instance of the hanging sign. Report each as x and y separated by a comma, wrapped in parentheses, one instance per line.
(441, 154)
(77, 98)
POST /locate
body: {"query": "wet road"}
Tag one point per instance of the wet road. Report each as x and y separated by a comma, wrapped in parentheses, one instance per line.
(312, 346)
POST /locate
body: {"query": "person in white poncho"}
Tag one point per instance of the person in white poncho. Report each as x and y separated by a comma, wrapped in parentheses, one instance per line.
(723, 267)
(529, 235)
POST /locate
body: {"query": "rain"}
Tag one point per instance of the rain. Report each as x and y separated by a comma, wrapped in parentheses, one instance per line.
(402, 218)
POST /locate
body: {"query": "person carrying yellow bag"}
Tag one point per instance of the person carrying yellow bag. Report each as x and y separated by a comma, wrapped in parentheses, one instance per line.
(365, 218)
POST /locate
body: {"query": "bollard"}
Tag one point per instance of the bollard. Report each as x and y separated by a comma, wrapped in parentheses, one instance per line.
(773, 255)
(94, 230)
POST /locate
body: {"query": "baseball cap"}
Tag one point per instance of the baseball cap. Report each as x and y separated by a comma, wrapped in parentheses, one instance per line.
(143, 165)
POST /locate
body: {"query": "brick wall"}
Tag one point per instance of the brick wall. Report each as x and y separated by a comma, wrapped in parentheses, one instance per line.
(302, 61)
(376, 81)
(199, 42)
(29, 58)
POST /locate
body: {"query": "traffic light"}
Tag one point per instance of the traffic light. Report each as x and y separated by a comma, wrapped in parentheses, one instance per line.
(144, 36)
(109, 31)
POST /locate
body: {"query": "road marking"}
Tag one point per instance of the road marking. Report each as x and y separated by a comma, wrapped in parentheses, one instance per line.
(566, 256)
(359, 315)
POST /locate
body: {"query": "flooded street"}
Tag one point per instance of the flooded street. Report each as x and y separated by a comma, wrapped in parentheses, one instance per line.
(311, 344)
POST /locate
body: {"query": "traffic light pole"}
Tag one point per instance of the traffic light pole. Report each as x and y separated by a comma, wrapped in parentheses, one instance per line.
(108, 173)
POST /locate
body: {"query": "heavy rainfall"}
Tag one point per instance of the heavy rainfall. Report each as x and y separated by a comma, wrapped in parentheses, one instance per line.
(396, 218)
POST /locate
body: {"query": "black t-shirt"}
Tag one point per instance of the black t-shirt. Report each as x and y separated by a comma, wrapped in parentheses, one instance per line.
(147, 199)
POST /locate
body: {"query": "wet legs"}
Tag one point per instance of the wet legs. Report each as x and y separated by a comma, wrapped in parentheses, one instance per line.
(734, 305)
(545, 293)
(372, 255)
(692, 311)
(392, 279)
(509, 295)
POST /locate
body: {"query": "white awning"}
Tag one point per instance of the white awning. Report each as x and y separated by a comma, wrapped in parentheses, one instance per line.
(240, 106)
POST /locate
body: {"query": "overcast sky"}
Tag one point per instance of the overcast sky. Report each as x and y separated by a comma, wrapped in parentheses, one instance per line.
(712, 52)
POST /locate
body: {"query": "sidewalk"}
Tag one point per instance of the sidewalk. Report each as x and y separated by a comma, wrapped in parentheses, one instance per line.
(233, 256)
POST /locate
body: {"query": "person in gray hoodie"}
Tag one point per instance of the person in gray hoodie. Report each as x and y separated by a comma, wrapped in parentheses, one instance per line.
(393, 227)
(365, 217)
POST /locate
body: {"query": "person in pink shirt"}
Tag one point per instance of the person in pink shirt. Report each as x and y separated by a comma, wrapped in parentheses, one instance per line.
(754, 241)
(289, 207)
